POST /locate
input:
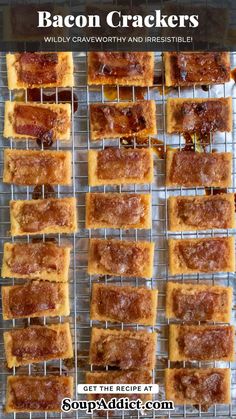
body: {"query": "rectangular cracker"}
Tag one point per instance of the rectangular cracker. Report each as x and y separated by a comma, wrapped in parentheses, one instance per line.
(201, 343)
(35, 299)
(42, 260)
(114, 120)
(37, 393)
(123, 68)
(207, 169)
(117, 377)
(123, 304)
(213, 254)
(116, 348)
(24, 214)
(202, 212)
(49, 342)
(195, 302)
(27, 70)
(188, 386)
(118, 210)
(121, 258)
(199, 115)
(55, 125)
(37, 167)
(199, 68)
(120, 166)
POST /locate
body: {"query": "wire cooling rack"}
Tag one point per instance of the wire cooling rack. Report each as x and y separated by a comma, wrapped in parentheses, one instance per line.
(80, 281)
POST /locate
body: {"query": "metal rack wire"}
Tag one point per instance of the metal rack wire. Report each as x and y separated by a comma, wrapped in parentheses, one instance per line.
(80, 282)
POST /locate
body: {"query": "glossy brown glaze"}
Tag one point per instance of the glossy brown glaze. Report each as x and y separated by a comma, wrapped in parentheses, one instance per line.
(123, 351)
(202, 117)
(37, 342)
(66, 96)
(210, 213)
(107, 118)
(122, 305)
(117, 210)
(45, 213)
(43, 191)
(190, 68)
(37, 69)
(33, 120)
(200, 305)
(113, 163)
(118, 64)
(33, 297)
(112, 93)
(120, 259)
(36, 168)
(30, 258)
(206, 168)
(204, 256)
(38, 393)
(207, 388)
(206, 343)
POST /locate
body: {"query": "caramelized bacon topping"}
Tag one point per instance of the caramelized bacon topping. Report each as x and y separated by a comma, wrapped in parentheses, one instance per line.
(29, 258)
(190, 68)
(118, 64)
(37, 393)
(199, 306)
(33, 120)
(206, 168)
(36, 342)
(108, 119)
(127, 163)
(33, 297)
(119, 258)
(206, 343)
(204, 256)
(117, 210)
(122, 305)
(45, 213)
(38, 68)
(206, 389)
(210, 213)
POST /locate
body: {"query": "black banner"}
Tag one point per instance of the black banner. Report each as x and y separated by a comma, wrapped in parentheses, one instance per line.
(108, 25)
